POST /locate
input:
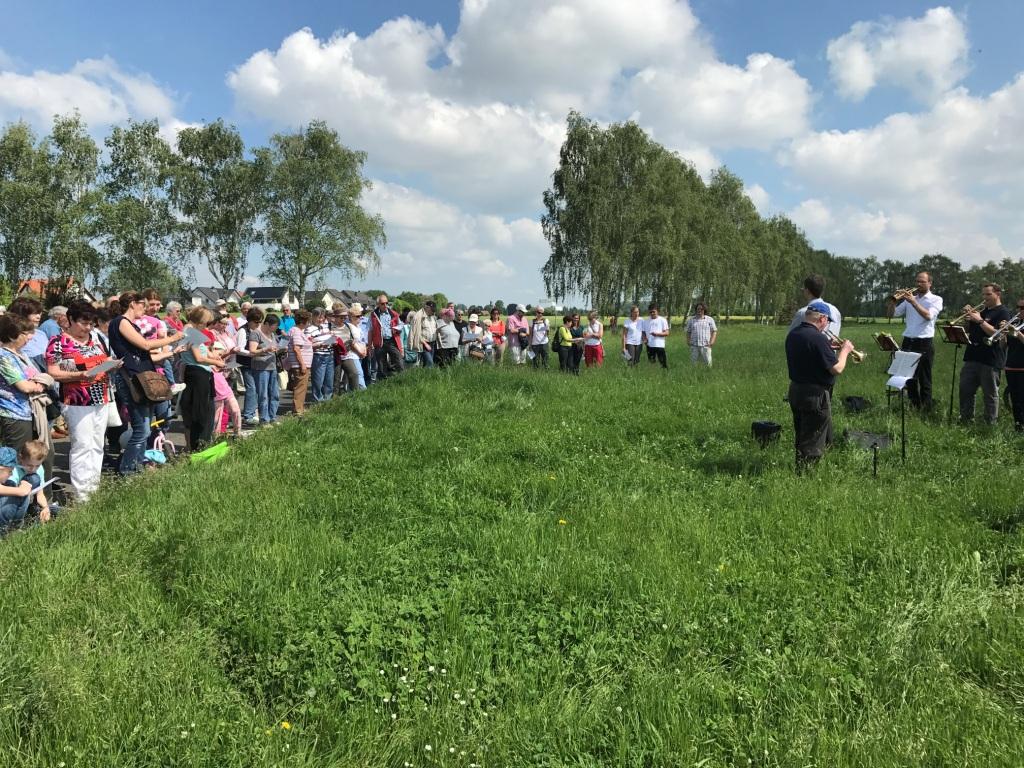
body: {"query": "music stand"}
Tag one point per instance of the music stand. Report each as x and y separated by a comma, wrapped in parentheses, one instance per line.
(887, 343)
(902, 370)
(954, 334)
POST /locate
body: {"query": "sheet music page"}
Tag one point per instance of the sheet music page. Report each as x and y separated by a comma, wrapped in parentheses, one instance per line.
(904, 364)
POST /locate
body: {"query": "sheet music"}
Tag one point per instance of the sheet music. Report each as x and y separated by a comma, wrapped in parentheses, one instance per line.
(106, 365)
(903, 368)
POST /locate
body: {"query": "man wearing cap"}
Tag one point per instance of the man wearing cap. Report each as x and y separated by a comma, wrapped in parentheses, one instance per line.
(384, 339)
(518, 335)
(813, 366)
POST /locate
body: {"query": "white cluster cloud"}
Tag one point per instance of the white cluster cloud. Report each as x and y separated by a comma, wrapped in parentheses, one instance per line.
(101, 91)
(463, 129)
(477, 119)
(948, 176)
(435, 246)
(927, 56)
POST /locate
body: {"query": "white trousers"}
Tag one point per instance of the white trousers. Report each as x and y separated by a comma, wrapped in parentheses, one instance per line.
(88, 427)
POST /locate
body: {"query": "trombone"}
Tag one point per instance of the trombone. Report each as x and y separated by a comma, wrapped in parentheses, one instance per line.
(855, 354)
(1012, 327)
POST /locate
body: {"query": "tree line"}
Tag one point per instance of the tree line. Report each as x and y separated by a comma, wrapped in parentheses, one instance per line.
(629, 221)
(146, 213)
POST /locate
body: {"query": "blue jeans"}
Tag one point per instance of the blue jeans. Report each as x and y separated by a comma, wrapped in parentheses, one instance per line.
(263, 392)
(427, 358)
(273, 395)
(250, 403)
(322, 377)
(139, 416)
(14, 508)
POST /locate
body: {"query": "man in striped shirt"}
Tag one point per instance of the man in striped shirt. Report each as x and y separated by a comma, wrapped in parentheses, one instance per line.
(701, 333)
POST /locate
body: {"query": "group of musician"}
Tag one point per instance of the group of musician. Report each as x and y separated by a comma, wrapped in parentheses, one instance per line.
(816, 354)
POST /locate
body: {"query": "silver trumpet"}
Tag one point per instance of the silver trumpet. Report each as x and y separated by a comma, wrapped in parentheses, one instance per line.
(1012, 327)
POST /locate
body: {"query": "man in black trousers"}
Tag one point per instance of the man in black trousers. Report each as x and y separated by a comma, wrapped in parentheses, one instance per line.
(813, 367)
(920, 310)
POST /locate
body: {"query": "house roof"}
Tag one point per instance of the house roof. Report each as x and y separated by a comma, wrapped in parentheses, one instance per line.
(265, 293)
(210, 294)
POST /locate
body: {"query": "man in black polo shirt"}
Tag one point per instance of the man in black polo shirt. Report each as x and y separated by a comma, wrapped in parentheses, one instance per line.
(983, 364)
(813, 367)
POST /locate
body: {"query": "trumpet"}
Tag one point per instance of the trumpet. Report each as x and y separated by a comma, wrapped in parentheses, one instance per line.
(1010, 328)
(902, 294)
(967, 310)
(855, 354)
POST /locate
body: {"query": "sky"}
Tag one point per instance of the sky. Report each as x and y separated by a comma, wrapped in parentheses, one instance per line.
(890, 129)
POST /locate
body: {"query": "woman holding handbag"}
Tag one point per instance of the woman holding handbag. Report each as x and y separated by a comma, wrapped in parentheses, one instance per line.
(128, 344)
(299, 360)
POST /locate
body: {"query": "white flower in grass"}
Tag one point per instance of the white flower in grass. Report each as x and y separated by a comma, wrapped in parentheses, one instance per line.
(451, 750)
(427, 748)
(430, 668)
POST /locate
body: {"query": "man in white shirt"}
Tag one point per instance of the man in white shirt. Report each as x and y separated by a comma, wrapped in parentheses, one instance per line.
(814, 287)
(920, 311)
(701, 333)
(655, 333)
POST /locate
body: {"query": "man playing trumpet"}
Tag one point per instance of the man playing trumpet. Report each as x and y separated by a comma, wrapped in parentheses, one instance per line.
(983, 363)
(813, 366)
(1015, 367)
(920, 309)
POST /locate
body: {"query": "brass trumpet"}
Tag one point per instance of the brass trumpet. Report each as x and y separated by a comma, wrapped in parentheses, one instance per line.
(902, 294)
(967, 310)
(856, 355)
(1013, 326)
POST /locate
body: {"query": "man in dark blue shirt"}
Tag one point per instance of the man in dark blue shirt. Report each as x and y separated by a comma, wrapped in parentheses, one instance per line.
(813, 367)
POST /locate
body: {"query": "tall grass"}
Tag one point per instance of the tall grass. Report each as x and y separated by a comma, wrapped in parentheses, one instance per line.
(504, 567)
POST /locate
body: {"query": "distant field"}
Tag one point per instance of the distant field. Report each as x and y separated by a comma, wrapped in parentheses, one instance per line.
(506, 568)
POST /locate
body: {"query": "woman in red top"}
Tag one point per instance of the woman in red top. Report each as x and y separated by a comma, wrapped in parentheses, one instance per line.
(497, 331)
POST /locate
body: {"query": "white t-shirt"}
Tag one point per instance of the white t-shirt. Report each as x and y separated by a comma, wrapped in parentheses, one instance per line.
(595, 328)
(655, 324)
(917, 326)
(540, 332)
(356, 336)
(634, 330)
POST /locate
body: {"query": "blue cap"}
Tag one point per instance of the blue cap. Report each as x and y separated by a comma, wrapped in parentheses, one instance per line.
(8, 457)
(822, 308)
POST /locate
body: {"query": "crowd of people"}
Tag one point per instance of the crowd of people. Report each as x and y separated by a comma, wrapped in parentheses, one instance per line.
(110, 377)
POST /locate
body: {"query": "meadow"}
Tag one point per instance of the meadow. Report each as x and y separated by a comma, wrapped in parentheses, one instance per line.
(481, 567)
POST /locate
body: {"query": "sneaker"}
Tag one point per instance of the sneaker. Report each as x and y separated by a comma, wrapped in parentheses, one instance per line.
(177, 388)
(251, 422)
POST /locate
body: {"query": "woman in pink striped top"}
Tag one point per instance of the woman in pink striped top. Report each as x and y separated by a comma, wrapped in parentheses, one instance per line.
(299, 360)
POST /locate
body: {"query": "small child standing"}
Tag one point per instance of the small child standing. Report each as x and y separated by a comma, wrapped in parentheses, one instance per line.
(15, 492)
(224, 397)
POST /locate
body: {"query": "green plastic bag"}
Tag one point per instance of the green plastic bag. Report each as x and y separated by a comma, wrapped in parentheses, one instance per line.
(211, 454)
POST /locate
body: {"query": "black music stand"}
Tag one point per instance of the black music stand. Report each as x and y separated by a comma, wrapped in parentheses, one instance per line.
(902, 370)
(954, 334)
(887, 343)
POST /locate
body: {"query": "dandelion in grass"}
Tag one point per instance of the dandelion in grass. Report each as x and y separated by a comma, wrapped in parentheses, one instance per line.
(563, 522)
(285, 725)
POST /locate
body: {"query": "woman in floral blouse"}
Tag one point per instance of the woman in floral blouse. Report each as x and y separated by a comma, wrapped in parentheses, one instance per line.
(70, 357)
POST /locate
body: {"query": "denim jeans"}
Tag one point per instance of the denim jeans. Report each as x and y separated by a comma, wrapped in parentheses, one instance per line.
(273, 395)
(139, 416)
(14, 508)
(249, 405)
(263, 392)
(427, 358)
(322, 377)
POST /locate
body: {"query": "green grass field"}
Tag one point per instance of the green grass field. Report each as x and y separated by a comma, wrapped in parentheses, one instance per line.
(503, 568)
